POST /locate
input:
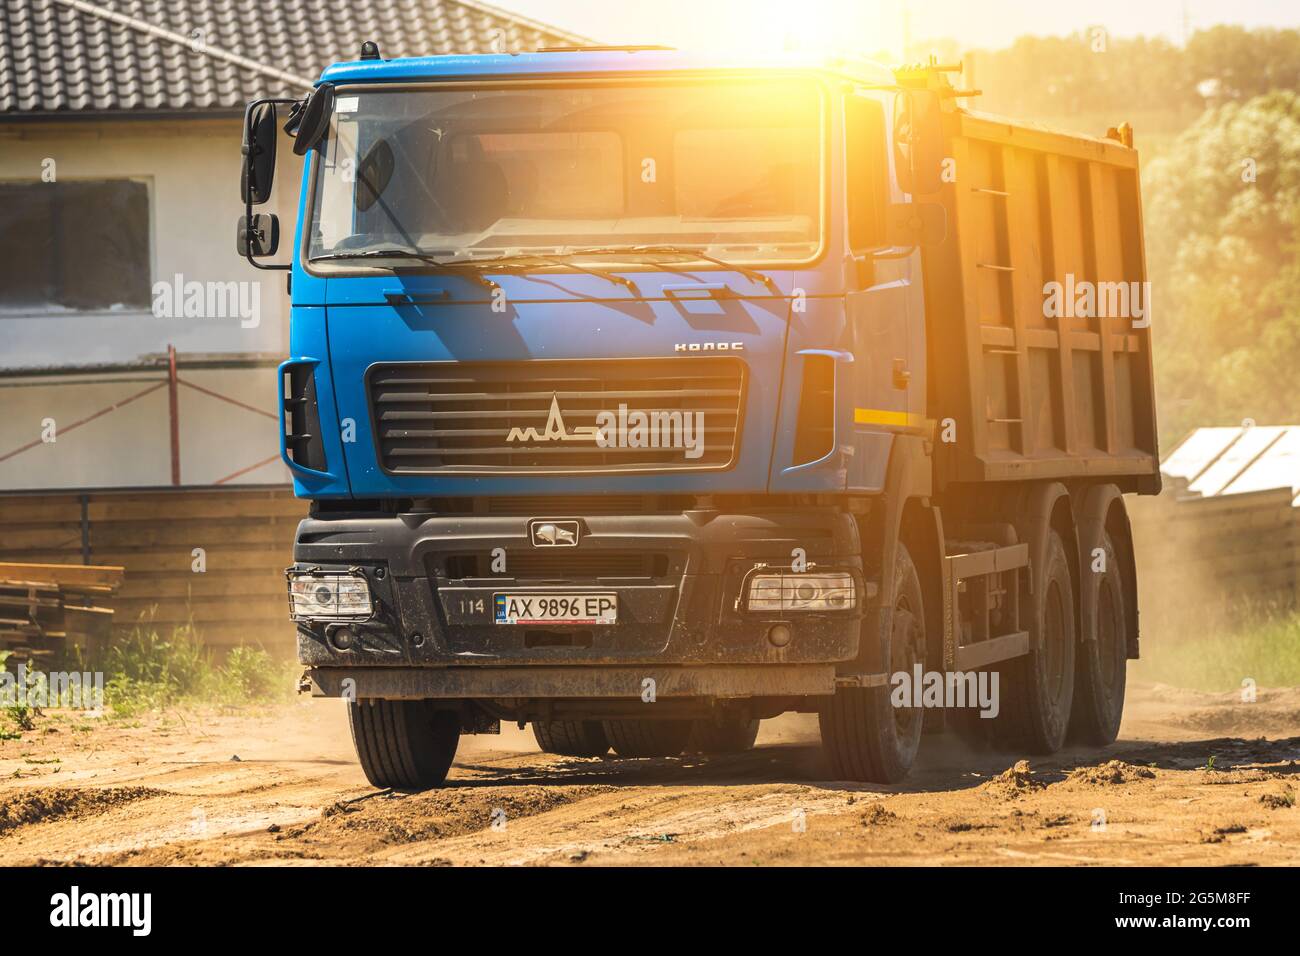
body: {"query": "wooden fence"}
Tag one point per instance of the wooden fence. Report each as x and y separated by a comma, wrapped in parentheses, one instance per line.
(1223, 552)
(1192, 552)
(241, 539)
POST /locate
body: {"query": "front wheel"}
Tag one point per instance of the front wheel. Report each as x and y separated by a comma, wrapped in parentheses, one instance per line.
(864, 736)
(404, 744)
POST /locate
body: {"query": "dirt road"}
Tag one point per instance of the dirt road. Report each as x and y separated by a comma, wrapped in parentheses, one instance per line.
(1194, 779)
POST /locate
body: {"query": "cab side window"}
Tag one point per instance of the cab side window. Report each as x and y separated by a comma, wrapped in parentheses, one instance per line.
(867, 166)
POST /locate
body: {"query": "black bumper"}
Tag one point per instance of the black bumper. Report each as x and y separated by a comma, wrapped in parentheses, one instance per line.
(677, 578)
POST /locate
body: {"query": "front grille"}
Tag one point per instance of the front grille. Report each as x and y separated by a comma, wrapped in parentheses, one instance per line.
(541, 416)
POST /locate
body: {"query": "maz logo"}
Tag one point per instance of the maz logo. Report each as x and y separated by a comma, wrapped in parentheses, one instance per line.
(554, 430)
(625, 428)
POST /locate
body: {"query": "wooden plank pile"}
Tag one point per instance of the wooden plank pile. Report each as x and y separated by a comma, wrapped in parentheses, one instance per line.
(46, 609)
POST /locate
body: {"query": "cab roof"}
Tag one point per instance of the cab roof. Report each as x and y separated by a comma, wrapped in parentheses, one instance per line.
(596, 61)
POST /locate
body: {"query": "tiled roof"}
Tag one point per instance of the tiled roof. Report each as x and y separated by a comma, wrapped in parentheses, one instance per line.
(59, 57)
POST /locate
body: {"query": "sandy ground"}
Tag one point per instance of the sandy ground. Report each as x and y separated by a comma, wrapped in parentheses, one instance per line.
(285, 789)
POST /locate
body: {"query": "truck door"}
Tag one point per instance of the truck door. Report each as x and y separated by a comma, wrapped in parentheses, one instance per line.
(883, 299)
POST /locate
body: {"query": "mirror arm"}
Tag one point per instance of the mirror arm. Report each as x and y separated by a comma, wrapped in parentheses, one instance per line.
(248, 246)
(248, 172)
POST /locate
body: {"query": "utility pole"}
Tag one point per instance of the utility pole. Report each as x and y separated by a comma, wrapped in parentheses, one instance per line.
(173, 408)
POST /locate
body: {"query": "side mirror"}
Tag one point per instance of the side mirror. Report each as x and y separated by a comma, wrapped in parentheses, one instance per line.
(918, 143)
(916, 224)
(259, 236)
(259, 154)
(314, 120)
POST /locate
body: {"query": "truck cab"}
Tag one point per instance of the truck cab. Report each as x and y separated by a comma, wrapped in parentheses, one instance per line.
(608, 388)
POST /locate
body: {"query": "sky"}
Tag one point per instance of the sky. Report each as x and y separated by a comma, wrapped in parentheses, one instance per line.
(867, 26)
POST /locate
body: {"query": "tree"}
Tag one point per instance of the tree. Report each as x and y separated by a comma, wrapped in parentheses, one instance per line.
(1222, 210)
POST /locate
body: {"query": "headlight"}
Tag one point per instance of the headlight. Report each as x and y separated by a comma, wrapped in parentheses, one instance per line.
(778, 592)
(328, 595)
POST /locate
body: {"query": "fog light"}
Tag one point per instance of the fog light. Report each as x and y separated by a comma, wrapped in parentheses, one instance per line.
(781, 591)
(328, 595)
(779, 635)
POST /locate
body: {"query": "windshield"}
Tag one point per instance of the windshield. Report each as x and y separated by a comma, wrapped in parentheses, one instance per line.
(730, 168)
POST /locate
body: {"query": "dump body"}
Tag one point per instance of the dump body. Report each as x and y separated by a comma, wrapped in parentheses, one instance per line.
(1037, 308)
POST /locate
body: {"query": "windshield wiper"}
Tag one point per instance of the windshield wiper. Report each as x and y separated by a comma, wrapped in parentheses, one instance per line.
(559, 260)
(752, 274)
(408, 254)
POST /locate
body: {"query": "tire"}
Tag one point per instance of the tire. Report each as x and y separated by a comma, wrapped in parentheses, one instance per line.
(571, 738)
(1101, 671)
(648, 738)
(1036, 691)
(732, 736)
(404, 744)
(864, 736)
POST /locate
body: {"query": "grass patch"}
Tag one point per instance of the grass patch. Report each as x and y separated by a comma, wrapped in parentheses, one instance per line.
(156, 668)
(1265, 649)
(153, 669)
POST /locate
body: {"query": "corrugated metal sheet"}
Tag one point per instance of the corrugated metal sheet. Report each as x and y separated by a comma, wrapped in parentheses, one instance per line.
(1227, 461)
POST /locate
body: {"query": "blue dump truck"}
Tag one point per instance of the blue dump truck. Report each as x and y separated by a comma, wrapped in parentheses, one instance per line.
(641, 396)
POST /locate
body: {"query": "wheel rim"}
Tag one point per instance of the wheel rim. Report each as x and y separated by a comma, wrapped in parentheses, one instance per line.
(1054, 640)
(1108, 631)
(902, 658)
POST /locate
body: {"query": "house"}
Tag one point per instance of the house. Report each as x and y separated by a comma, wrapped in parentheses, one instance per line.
(120, 127)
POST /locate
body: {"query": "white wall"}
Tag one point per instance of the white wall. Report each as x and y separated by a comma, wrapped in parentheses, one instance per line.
(130, 446)
(192, 171)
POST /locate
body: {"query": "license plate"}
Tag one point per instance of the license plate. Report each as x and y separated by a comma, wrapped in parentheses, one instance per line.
(553, 608)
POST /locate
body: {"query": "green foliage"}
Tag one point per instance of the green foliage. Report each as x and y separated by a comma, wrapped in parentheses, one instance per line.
(179, 663)
(18, 714)
(1222, 261)
(251, 674)
(153, 669)
(1063, 79)
(1211, 658)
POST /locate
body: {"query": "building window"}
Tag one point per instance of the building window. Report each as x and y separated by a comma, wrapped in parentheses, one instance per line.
(79, 246)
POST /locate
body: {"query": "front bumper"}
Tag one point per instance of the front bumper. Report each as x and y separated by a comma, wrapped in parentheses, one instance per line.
(677, 577)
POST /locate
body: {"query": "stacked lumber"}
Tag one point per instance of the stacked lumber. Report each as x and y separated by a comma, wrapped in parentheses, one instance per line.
(46, 609)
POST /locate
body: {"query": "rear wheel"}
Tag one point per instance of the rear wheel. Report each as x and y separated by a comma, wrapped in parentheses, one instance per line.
(731, 736)
(648, 738)
(864, 736)
(405, 744)
(571, 738)
(1103, 656)
(1037, 689)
